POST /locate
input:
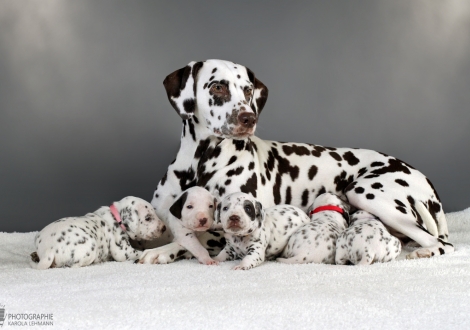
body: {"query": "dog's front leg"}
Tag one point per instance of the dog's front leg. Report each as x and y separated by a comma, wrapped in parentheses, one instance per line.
(188, 239)
(255, 256)
(164, 254)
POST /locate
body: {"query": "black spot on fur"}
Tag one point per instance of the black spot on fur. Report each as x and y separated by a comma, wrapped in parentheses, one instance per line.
(350, 158)
(377, 164)
(295, 149)
(251, 186)
(288, 195)
(342, 182)
(377, 185)
(305, 197)
(232, 160)
(336, 156)
(370, 196)
(235, 172)
(394, 165)
(402, 182)
(312, 172)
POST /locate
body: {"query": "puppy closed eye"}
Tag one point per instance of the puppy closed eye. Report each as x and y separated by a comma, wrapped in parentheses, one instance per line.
(148, 218)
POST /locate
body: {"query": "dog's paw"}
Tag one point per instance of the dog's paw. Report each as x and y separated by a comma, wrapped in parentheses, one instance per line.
(210, 262)
(241, 267)
(420, 253)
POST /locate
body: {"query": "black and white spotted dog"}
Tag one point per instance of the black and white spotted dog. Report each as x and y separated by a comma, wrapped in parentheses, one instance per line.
(96, 237)
(366, 241)
(193, 213)
(253, 233)
(316, 241)
(220, 103)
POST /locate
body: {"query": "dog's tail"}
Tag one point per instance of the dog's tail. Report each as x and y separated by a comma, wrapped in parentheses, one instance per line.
(44, 262)
(428, 220)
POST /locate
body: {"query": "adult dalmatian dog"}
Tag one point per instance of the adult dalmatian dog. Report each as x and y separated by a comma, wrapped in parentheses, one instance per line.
(220, 103)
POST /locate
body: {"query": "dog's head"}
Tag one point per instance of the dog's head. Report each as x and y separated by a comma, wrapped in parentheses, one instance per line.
(240, 214)
(195, 208)
(139, 218)
(226, 98)
(331, 199)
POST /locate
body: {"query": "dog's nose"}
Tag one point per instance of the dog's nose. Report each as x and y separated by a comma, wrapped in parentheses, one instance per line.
(202, 221)
(247, 119)
(163, 228)
(234, 218)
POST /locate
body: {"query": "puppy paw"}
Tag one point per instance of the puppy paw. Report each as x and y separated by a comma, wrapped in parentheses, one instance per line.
(210, 262)
(420, 253)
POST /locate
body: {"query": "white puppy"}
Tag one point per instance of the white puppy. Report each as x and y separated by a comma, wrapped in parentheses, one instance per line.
(255, 234)
(193, 213)
(366, 241)
(99, 236)
(315, 242)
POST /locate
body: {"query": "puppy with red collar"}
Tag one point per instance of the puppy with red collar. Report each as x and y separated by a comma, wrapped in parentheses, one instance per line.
(316, 241)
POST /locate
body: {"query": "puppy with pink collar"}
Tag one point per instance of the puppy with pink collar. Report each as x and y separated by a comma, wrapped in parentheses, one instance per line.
(96, 237)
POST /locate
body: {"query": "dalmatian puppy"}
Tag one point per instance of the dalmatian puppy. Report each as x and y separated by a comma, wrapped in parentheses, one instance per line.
(366, 241)
(96, 237)
(255, 234)
(220, 103)
(316, 241)
(193, 213)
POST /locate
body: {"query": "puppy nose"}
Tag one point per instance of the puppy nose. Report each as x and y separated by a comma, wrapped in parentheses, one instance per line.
(202, 221)
(247, 119)
(163, 228)
(234, 218)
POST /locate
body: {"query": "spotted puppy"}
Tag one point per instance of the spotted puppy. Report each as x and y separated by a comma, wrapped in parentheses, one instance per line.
(255, 234)
(193, 213)
(316, 241)
(99, 236)
(366, 241)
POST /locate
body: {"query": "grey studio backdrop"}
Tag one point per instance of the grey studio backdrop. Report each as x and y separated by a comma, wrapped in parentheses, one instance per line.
(85, 119)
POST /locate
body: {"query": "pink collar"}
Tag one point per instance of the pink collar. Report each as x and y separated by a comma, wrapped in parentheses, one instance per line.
(327, 208)
(116, 216)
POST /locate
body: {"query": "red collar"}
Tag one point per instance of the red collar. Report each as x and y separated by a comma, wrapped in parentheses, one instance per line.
(116, 216)
(327, 208)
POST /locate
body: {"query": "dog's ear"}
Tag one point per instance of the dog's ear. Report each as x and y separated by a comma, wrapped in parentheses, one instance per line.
(259, 211)
(180, 87)
(177, 206)
(260, 93)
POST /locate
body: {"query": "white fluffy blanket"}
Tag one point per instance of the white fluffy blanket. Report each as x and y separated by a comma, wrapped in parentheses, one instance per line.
(406, 294)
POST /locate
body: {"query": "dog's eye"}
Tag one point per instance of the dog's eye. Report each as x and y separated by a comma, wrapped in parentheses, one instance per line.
(211, 206)
(225, 208)
(218, 88)
(189, 207)
(148, 218)
(248, 209)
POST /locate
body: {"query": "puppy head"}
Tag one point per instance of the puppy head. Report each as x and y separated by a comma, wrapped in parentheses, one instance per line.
(195, 209)
(331, 199)
(240, 214)
(139, 218)
(225, 97)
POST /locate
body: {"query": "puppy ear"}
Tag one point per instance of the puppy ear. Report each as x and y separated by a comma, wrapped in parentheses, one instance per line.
(259, 213)
(260, 93)
(310, 209)
(177, 206)
(180, 88)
